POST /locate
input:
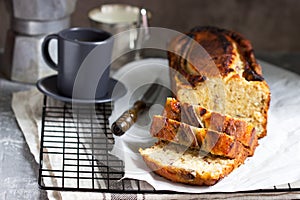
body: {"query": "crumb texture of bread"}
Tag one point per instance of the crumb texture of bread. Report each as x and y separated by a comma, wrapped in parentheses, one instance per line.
(180, 164)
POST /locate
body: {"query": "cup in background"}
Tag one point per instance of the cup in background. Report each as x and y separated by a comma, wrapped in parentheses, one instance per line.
(120, 20)
(74, 46)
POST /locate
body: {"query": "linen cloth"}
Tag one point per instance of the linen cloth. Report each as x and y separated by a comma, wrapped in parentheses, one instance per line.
(285, 88)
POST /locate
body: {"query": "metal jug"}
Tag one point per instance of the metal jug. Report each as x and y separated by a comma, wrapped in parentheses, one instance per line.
(31, 21)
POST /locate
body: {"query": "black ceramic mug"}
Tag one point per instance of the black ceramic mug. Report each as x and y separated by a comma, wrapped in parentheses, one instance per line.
(75, 47)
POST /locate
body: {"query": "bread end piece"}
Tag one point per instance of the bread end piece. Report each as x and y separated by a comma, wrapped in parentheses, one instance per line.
(182, 165)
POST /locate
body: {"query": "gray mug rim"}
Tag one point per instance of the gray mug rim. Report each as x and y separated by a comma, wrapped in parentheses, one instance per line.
(62, 34)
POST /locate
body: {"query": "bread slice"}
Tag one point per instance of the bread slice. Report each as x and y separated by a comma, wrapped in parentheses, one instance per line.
(201, 117)
(202, 139)
(225, 77)
(188, 166)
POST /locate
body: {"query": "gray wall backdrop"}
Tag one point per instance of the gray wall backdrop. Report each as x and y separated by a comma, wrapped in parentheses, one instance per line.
(271, 25)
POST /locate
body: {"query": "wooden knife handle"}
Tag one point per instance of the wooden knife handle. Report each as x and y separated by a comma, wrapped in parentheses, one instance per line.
(127, 119)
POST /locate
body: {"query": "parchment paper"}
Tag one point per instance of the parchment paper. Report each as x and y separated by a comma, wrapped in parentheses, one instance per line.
(276, 160)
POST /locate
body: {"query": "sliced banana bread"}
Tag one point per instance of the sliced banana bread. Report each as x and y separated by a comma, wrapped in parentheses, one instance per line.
(200, 117)
(189, 166)
(216, 68)
(202, 139)
(222, 94)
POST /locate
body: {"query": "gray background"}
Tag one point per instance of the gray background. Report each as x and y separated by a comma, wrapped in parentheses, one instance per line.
(271, 25)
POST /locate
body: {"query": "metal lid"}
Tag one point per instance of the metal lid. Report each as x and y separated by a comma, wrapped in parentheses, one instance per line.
(42, 10)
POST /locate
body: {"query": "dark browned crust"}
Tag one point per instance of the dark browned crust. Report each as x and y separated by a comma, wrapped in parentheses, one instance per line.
(252, 69)
(181, 175)
(219, 45)
(172, 109)
(202, 139)
(241, 130)
(172, 130)
(189, 116)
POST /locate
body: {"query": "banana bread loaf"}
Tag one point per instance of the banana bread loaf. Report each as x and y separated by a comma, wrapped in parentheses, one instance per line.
(216, 68)
(221, 89)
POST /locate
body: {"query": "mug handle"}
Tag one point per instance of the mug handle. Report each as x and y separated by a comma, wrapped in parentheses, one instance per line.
(45, 51)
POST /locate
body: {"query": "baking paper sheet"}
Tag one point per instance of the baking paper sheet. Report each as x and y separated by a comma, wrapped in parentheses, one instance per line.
(276, 160)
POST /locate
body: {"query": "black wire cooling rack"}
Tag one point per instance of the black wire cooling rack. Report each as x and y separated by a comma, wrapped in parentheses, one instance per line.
(77, 141)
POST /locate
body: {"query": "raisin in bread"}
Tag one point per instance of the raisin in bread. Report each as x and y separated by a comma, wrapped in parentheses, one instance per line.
(201, 117)
(227, 79)
(189, 166)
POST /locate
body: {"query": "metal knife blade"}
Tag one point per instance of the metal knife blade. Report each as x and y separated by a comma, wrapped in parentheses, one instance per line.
(155, 93)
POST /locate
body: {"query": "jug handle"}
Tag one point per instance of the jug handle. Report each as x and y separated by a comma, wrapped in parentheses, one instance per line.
(143, 31)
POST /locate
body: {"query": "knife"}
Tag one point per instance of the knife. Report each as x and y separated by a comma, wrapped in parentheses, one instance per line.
(154, 93)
